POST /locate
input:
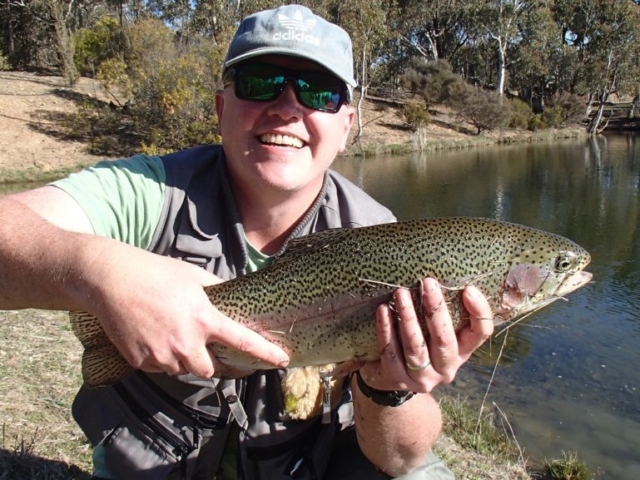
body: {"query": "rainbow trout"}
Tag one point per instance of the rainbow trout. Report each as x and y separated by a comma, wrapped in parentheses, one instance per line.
(318, 299)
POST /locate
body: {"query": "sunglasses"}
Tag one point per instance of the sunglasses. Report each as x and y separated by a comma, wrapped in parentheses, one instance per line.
(262, 82)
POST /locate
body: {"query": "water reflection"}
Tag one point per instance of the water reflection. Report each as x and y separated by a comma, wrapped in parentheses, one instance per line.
(568, 377)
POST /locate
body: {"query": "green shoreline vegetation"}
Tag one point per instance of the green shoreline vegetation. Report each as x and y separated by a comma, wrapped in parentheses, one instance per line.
(30, 175)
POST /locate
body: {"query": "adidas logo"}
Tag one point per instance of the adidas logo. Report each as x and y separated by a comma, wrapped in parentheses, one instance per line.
(297, 28)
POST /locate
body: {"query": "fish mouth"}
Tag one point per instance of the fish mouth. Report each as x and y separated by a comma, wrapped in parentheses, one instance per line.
(574, 282)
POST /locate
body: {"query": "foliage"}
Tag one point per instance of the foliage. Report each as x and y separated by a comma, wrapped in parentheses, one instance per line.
(415, 115)
(164, 94)
(435, 81)
(520, 114)
(484, 109)
(101, 42)
(476, 432)
(533, 49)
(571, 107)
(4, 62)
(568, 467)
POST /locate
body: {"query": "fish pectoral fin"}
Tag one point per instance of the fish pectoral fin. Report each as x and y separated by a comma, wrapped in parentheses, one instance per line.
(102, 366)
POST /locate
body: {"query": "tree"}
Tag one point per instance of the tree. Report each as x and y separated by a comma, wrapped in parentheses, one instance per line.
(482, 108)
(432, 29)
(605, 35)
(499, 21)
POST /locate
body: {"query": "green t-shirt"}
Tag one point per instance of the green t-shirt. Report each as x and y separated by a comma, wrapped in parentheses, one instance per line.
(123, 199)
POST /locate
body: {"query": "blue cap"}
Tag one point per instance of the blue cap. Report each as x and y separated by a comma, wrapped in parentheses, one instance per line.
(296, 31)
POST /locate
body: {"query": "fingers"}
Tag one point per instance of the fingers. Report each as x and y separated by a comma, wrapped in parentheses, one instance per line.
(443, 343)
(238, 337)
(414, 344)
(481, 324)
(412, 358)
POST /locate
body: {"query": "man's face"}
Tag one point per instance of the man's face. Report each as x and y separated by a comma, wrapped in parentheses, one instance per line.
(280, 144)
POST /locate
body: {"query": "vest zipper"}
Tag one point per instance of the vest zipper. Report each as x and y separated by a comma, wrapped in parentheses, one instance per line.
(205, 420)
(180, 448)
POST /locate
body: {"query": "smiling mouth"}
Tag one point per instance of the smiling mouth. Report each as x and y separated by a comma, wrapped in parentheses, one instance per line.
(282, 140)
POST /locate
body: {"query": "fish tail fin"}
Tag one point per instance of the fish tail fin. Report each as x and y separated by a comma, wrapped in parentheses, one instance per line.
(102, 363)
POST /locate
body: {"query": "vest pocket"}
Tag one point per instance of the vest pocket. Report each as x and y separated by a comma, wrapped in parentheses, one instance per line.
(147, 444)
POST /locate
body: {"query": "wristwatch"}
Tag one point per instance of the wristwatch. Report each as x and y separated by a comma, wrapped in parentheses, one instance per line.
(386, 398)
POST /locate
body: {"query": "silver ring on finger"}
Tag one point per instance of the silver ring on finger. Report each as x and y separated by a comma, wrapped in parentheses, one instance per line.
(417, 368)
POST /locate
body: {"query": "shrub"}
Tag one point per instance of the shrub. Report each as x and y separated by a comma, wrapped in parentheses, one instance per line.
(536, 122)
(95, 45)
(415, 115)
(484, 109)
(566, 108)
(520, 114)
(435, 81)
(553, 116)
(164, 94)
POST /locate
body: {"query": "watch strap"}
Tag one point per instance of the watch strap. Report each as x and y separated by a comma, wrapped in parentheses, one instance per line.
(385, 398)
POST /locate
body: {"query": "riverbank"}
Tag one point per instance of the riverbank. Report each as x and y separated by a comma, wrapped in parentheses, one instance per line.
(34, 145)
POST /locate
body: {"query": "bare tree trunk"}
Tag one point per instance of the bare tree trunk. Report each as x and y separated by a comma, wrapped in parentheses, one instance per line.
(65, 45)
(11, 42)
(363, 92)
(595, 123)
(502, 66)
(587, 112)
(635, 107)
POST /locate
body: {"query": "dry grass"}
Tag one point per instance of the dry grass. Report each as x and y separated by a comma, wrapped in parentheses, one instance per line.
(39, 375)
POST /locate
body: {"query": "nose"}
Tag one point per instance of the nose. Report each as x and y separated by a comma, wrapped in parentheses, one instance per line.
(286, 105)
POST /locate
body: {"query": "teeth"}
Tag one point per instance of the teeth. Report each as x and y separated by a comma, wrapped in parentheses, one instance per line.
(281, 140)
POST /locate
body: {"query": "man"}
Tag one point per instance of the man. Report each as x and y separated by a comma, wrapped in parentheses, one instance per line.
(91, 242)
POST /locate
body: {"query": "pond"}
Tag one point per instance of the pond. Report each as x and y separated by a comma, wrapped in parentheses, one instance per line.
(569, 378)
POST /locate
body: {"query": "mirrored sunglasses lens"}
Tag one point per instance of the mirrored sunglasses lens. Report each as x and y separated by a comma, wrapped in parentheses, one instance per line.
(315, 90)
(257, 82)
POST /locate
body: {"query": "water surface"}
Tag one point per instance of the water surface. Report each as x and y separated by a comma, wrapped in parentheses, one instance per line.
(570, 378)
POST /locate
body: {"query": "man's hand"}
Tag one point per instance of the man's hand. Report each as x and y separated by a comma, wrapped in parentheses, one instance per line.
(411, 362)
(153, 308)
(155, 311)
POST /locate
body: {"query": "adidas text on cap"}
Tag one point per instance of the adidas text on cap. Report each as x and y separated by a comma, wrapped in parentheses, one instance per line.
(294, 30)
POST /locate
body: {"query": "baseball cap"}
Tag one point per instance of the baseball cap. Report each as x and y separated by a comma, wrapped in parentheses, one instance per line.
(296, 31)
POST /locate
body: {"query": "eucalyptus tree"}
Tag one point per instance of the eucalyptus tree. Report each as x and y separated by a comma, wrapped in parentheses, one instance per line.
(605, 35)
(369, 23)
(433, 29)
(498, 22)
(539, 59)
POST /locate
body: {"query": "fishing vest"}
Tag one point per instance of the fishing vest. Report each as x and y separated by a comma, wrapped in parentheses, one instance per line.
(155, 426)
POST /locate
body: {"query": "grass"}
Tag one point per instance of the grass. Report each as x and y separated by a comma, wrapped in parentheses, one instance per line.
(568, 467)
(39, 376)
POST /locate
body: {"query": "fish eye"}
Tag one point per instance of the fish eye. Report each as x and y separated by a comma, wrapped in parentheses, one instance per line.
(564, 262)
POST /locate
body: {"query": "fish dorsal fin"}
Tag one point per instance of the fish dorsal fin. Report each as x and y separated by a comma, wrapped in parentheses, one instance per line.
(314, 242)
